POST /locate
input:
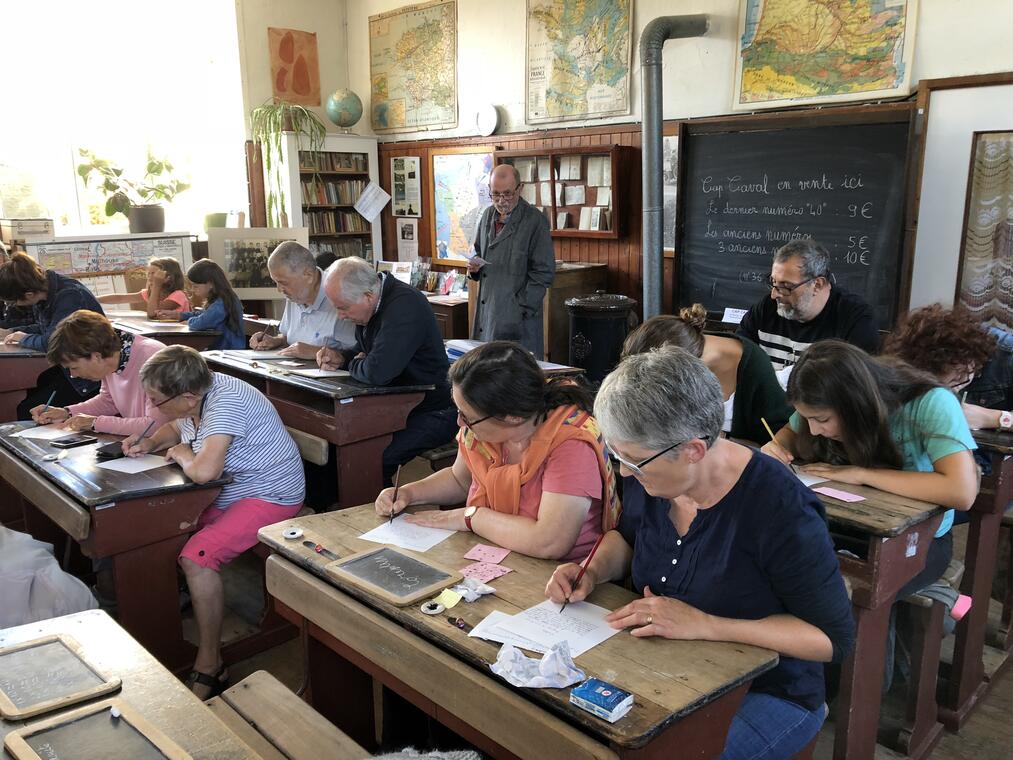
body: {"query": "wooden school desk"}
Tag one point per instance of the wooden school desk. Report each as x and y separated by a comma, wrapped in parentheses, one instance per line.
(358, 419)
(169, 333)
(140, 521)
(968, 679)
(892, 535)
(146, 685)
(686, 692)
(20, 368)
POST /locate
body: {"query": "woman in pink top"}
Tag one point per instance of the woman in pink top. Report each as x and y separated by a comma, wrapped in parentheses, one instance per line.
(88, 346)
(164, 291)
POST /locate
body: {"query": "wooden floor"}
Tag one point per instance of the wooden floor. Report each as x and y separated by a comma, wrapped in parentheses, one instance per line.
(988, 735)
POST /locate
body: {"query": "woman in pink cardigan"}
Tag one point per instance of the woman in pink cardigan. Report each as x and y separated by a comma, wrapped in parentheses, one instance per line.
(89, 347)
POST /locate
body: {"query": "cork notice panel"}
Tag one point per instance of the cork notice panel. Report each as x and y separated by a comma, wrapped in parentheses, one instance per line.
(47, 674)
(394, 577)
(100, 731)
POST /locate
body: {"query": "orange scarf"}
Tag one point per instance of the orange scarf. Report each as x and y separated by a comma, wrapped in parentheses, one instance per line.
(498, 485)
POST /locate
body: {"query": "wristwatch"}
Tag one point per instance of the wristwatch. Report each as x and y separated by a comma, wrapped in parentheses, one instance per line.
(469, 512)
(1005, 420)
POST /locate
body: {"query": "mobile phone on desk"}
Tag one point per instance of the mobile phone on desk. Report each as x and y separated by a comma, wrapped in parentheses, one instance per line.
(112, 450)
(70, 441)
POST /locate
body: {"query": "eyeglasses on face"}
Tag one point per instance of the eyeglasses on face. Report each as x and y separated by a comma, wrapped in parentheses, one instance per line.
(164, 401)
(787, 288)
(468, 423)
(506, 194)
(638, 468)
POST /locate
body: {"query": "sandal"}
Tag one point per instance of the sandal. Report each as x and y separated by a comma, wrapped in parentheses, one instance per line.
(216, 683)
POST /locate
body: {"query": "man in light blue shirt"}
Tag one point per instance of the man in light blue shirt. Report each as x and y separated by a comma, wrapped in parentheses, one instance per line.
(309, 321)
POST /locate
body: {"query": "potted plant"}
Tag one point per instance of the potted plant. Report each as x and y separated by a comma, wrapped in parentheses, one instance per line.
(267, 124)
(139, 201)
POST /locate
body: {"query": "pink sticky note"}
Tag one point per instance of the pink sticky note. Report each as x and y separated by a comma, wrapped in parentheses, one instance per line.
(484, 571)
(961, 607)
(842, 495)
(485, 553)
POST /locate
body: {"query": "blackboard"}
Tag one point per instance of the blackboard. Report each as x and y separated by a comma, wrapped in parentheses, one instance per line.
(747, 193)
(393, 576)
(47, 674)
(94, 733)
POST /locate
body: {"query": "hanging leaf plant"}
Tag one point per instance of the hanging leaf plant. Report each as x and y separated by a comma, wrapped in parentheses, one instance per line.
(267, 124)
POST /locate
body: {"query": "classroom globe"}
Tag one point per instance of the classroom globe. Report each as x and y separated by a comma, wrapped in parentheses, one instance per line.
(344, 108)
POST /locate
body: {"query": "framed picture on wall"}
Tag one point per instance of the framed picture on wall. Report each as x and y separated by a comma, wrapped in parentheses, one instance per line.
(986, 247)
(670, 174)
(243, 253)
(458, 193)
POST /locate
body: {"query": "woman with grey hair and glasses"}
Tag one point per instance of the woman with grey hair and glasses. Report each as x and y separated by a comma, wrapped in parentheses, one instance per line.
(724, 543)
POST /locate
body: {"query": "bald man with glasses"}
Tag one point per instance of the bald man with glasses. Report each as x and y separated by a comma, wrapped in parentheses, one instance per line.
(804, 307)
(514, 265)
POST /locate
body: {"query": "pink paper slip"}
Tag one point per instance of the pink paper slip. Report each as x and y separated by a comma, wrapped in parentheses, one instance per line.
(485, 553)
(833, 493)
(484, 571)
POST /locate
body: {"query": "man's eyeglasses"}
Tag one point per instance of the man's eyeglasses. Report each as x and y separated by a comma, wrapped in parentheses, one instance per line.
(787, 288)
(506, 195)
(468, 423)
(638, 468)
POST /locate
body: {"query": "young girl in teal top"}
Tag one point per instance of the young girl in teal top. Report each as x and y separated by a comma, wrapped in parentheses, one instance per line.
(882, 424)
(222, 308)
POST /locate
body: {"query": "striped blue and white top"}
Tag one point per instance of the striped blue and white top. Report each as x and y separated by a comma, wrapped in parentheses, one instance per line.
(262, 459)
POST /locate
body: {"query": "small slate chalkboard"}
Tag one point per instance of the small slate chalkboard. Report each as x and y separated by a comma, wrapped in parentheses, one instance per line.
(394, 577)
(106, 729)
(47, 674)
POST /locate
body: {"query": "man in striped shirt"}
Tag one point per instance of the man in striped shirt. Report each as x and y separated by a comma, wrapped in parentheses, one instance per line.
(805, 307)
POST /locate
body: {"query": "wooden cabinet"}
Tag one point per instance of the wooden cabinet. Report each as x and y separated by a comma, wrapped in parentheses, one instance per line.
(580, 190)
(572, 279)
(451, 315)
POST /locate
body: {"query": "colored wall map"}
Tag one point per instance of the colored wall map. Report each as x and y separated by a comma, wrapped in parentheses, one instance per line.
(578, 59)
(460, 193)
(817, 51)
(413, 67)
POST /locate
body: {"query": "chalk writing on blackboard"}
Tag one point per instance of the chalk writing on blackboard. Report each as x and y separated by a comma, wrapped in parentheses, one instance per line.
(391, 575)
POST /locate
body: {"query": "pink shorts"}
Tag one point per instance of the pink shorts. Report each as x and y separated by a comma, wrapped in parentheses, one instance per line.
(224, 534)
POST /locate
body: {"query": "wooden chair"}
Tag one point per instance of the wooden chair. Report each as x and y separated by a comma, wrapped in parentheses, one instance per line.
(441, 457)
(278, 725)
(312, 448)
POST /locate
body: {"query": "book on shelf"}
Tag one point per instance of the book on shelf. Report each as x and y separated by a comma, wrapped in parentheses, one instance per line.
(562, 220)
(341, 248)
(340, 192)
(321, 222)
(585, 219)
(327, 161)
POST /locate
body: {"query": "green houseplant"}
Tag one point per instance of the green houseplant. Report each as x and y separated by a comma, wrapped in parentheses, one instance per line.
(268, 122)
(140, 201)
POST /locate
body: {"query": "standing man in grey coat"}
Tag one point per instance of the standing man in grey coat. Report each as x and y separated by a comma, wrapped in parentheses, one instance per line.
(514, 265)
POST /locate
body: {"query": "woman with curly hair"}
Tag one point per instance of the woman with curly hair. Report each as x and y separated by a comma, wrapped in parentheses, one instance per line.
(971, 359)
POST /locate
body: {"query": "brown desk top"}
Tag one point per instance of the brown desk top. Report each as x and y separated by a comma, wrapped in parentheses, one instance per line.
(147, 686)
(881, 514)
(999, 441)
(669, 678)
(78, 475)
(13, 351)
(272, 369)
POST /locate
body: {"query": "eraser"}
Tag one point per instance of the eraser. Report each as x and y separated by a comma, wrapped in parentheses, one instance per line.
(602, 699)
(961, 607)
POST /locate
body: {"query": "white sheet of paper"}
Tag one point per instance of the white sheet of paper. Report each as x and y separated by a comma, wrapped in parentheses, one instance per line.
(603, 196)
(402, 533)
(133, 465)
(372, 201)
(733, 316)
(809, 480)
(581, 625)
(545, 190)
(574, 195)
(526, 168)
(43, 432)
(244, 354)
(322, 372)
(484, 630)
(585, 219)
(543, 169)
(530, 194)
(594, 170)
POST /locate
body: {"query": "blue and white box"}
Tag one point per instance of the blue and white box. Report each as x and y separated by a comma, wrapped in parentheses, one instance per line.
(602, 699)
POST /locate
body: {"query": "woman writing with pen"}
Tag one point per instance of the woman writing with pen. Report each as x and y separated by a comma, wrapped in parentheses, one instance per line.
(723, 542)
(89, 347)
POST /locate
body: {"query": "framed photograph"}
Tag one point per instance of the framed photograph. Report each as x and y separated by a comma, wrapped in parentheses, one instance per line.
(986, 249)
(670, 172)
(458, 194)
(819, 53)
(243, 253)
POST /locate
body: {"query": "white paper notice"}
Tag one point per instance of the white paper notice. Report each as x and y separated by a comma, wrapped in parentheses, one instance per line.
(318, 373)
(603, 196)
(594, 170)
(574, 195)
(733, 316)
(372, 201)
(402, 533)
(407, 239)
(545, 188)
(543, 169)
(581, 625)
(43, 433)
(530, 193)
(132, 465)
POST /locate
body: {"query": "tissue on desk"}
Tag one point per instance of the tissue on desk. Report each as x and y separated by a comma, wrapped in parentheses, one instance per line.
(471, 589)
(554, 670)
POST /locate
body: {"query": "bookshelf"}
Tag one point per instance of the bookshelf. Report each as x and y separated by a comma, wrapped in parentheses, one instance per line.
(322, 190)
(580, 190)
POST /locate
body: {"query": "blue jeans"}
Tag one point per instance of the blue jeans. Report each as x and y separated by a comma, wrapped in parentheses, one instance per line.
(423, 431)
(768, 728)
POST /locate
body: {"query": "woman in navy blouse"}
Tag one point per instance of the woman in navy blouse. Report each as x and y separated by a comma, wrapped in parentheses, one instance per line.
(724, 543)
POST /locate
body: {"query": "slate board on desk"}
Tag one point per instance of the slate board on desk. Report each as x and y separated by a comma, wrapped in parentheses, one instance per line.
(392, 575)
(92, 733)
(749, 190)
(47, 674)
